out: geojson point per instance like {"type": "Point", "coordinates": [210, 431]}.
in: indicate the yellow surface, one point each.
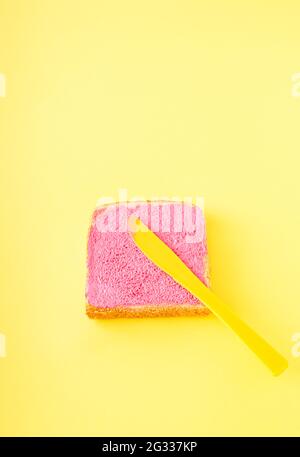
{"type": "Point", "coordinates": [167, 99]}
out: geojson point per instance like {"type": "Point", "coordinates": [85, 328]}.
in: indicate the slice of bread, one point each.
{"type": "Point", "coordinates": [122, 282]}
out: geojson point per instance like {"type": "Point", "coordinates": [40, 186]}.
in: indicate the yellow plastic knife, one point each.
{"type": "Point", "coordinates": [162, 256]}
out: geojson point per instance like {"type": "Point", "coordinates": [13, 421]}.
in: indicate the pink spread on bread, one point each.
{"type": "Point", "coordinates": [122, 282]}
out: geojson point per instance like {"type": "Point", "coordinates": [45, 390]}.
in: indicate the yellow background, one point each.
{"type": "Point", "coordinates": [163, 98]}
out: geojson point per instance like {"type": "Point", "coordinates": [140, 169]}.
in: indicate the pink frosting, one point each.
{"type": "Point", "coordinates": [120, 274]}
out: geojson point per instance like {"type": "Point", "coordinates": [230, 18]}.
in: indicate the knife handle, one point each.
{"type": "Point", "coordinates": [268, 355]}
{"type": "Point", "coordinates": [166, 259]}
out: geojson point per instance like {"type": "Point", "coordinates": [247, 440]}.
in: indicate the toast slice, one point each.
{"type": "Point", "coordinates": [122, 282]}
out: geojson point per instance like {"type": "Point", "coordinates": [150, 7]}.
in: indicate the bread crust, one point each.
{"type": "Point", "coordinates": [124, 311]}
